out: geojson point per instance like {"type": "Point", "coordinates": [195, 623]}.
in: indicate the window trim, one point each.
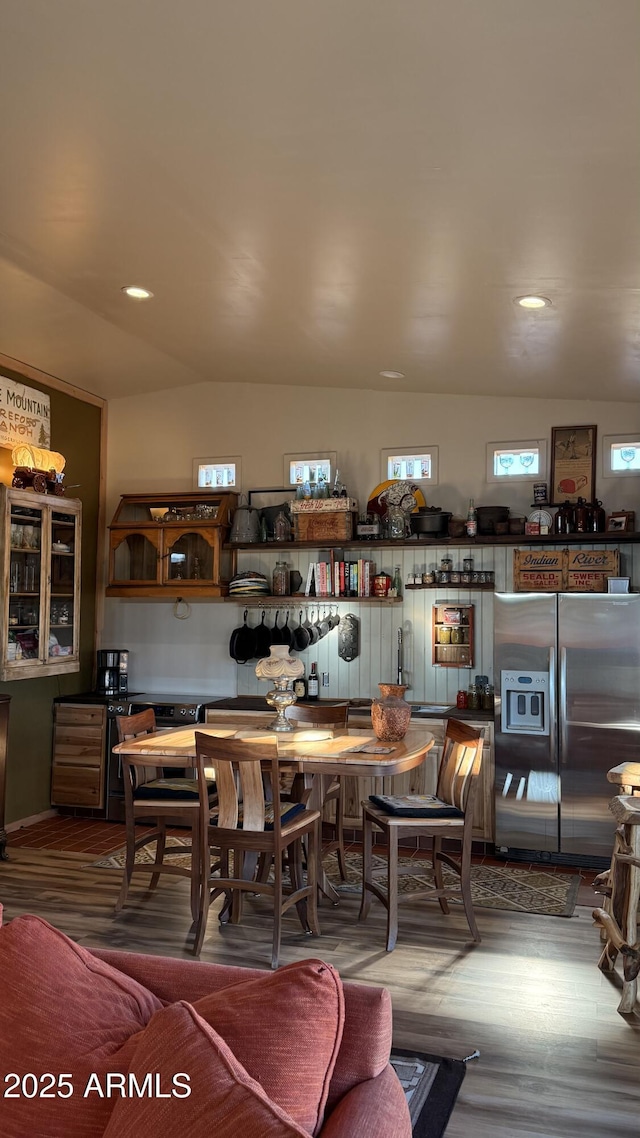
{"type": "Point", "coordinates": [230, 460]}
{"type": "Point", "coordinates": [410, 452]}
{"type": "Point", "coordinates": [308, 456]}
{"type": "Point", "coordinates": [519, 444]}
{"type": "Point", "coordinates": [608, 441]}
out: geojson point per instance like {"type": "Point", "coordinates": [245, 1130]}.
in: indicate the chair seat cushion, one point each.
{"type": "Point", "coordinates": [63, 1009]}
{"type": "Point", "coordinates": [415, 806]}
{"type": "Point", "coordinates": [286, 1029]}
{"type": "Point", "coordinates": [174, 789]}
{"type": "Point", "coordinates": [288, 812]}
{"type": "Point", "coordinates": [184, 1054]}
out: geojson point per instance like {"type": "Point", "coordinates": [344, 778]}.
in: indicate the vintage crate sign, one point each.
{"type": "Point", "coordinates": [564, 570]}
{"type": "Point", "coordinates": [589, 569]}
{"type": "Point", "coordinates": [538, 570]}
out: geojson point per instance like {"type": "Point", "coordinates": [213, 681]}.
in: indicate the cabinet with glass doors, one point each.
{"type": "Point", "coordinates": [40, 611]}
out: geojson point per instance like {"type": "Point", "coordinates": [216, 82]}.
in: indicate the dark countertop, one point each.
{"type": "Point", "coordinates": [259, 703]}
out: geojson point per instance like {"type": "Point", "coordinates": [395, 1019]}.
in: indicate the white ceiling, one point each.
{"type": "Point", "coordinates": [317, 190]}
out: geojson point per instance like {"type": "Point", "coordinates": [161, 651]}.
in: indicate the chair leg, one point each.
{"type": "Point", "coordinates": [367, 865]}
{"type": "Point", "coordinates": [392, 888]}
{"type": "Point", "coordinates": [238, 894]}
{"type": "Point", "coordinates": [160, 847]}
{"type": "Point", "coordinates": [438, 878]}
{"type": "Point", "coordinates": [130, 858]}
{"type": "Point", "coordinates": [203, 889]}
{"type": "Point", "coordinates": [465, 885]}
{"type": "Point", "coordinates": [312, 878]}
{"type": "Point", "coordinates": [198, 871]}
{"type": "Point", "coordinates": [277, 910]}
{"type": "Point", "coordinates": [294, 861]}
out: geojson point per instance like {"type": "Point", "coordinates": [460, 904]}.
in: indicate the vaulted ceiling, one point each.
{"type": "Point", "coordinates": [319, 190]}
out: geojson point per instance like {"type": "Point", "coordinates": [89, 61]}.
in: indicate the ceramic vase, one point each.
{"type": "Point", "coordinates": [390, 714]}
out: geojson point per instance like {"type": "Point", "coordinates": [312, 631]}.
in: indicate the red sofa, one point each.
{"type": "Point", "coordinates": [284, 1054]}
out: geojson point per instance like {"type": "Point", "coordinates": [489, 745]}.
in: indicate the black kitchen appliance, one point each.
{"type": "Point", "coordinates": [112, 677]}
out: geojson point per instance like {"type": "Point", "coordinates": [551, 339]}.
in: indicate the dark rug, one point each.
{"type": "Point", "coordinates": [431, 1085]}
{"type": "Point", "coordinates": [519, 890]}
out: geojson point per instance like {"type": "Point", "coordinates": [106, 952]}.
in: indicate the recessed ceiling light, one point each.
{"type": "Point", "coordinates": [391, 374]}
{"type": "Point", "coordinates": [136, 292]}
{"type": "Point", "coordinates": [533, 301]}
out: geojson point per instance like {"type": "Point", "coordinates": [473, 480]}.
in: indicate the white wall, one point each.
{"type": "Point", "coordinates": [153, 440]}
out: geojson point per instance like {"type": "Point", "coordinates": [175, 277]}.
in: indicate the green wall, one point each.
{"type": "Point", "coordinates": [75, 432]}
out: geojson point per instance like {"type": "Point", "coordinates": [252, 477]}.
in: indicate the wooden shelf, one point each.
{"type": "Point", "coordinates": [450, 542]}
{"type": "Point", "coordinates": [470, 588]}
{"type": "Point", "coordinates": [301, 599]}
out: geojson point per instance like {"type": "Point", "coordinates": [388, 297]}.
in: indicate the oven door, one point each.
{"type": "Point", "coordinates": [115, 781]}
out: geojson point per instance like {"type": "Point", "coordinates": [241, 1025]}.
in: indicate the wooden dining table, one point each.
{"type": "Point", "coordinates": [317, 754]}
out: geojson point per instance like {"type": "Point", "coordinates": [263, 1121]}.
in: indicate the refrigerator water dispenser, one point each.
{"type": "Point", "coordinates": [525, 702]}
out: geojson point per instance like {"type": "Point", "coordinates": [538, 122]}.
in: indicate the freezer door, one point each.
{"type": "Point", "coordinates": [599, 711]}
{"type": "Point", "coordinates": [527, 788]}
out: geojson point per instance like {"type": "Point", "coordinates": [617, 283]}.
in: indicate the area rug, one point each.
{"type": "Point", "coordinates": [431, 1086]}
{"type": "Point", "coordinates": [492, 886]}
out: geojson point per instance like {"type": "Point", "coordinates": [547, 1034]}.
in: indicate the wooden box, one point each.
{"type": "Point", "coordinates": [589, 569]}
{"type": "Point", "coordinates": [539, 570]}
{"type": "Point", "coordinates": [326, 526]}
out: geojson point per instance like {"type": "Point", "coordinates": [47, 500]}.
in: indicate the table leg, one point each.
{"type": "Point", "coordinates": [315, 788]}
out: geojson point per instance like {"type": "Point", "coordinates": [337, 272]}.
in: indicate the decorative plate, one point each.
{"type": "Point", "coordinates": [375, 506]}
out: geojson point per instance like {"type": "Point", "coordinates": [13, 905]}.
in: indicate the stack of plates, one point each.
{"type": "Point", "coordinates": [249, 584]}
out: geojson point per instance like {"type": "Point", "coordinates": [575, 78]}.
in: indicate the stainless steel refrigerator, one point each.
{"type": "Point", "coordinates": [567, 677]}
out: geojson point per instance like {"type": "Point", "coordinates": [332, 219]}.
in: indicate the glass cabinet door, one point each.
{"type": "Point", "coordinates": [62, 633]}
{"type": "Point", "coordinates": [25, 584]}
{"type": "Point", "coordinates": [134, 557]}
{"type": "Point", "coordinates": [189, 557]}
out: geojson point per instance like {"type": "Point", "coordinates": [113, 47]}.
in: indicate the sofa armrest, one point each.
{"type": "Point", "coordinates": [377, 1108]}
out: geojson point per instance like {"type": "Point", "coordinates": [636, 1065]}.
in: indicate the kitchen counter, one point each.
{"type": "Point", "coordinates": [356, 706]}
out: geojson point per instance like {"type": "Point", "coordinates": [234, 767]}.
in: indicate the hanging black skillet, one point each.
{"type": "Point", "coordinates": [286, 633]}
{"type": "Point", "coordinates": [242, 644]}
{"type": "Point", "coordinates": [276, 631]}
{"type": "Point", "coordinates": [263, 638]}
{"type": "Point", "coordinates": [300, 636]}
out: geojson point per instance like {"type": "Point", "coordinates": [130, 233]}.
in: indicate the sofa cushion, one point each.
{"type": "Point", "coordinates": [285, 1028]}
{"type": "Point", "coordinates": [224, 1102]}
{"type": "Point", "coordinates": [63, 1011]}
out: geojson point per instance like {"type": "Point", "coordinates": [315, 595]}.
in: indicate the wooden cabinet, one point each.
{"type": "Point", "coordinates": [78, 773]}
{"type": "Point", "coordinates": [171, 545]}
{"type": "Point", "coordinates": [40, 613]}
{"type": "Point", "coordinates": [452, 633]}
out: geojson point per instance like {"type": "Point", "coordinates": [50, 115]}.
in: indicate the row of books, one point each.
{"type": "Point", "coordinates": [332, 576]}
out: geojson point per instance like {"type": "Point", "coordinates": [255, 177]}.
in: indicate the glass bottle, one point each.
{"type": "Point", "coordinates": [473, 698]}
{"type": "Point", "coordinates": [487, 698]}
{"type": "Point", "coordinates": [471, 523]}
{"type": "Point", "coordinates": [196, 569]}
{"type": "Point", "coordinates": [281, 579]}
{"type": "Point", "coordinates": [300, 688]}
{"type": "Point", "coordinates": [281, 527]}
{"type": "Point", "coordinates": [396, 584]}
{"type": "Point", "coordinates": [313, 685]}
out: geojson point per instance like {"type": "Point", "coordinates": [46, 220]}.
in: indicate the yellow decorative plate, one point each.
{"type": "Point", "coordinates": [375, 507]}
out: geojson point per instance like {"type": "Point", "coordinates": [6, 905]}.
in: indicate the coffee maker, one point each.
{"type": "Point", "coordinates": [113, 671]}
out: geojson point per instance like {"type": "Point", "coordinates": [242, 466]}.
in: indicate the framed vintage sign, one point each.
{"type": "Point", "coordinates": [573, 464]}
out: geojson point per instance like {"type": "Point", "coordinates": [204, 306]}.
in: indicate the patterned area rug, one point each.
{"type": "Point", "coordinates": [492, 886]}
{"type": "Point", "coordinates": [431, 1086]}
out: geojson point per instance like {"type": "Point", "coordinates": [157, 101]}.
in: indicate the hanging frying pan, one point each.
{"type": "Point", "coordinates": [276, 632]}
{"type": "Point", "coordinates": [263, 638]}
{"type": "Point", "coordinates": [300, 636]}
{"type": "Point", "coordinates": [242, 645]}
{"type": "Point", "coordinates": [286, 633]}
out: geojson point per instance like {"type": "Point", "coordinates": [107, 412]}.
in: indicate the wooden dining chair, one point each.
{"type": "Point", "coordinates": [150, 798]}
{"type": "Point", "coordinates": [246, 822]}
{"type": "Point", "coordinates": [333, 717]}
{"type": "Point", "coordinates": [448, 816]}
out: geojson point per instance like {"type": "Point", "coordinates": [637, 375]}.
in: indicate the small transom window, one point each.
{"type": "Point", "coordinates": [410, 464]}
{"type": "Point", "coordinates": [620, 455]}
{"type": "Point", "coordinates": [521, 460]}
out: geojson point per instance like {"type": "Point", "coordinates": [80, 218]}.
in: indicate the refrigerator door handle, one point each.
{"type": "Point", "coordinates": [562, 709]}
{"type": "Point", "coordinates": [552, 710]}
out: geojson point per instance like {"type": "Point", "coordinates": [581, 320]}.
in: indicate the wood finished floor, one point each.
{"type": "Point", "coordinates": [557, 1061]}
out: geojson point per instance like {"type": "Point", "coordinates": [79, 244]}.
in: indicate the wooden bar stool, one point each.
{"type": "Point", "coordinates": [453, 810]}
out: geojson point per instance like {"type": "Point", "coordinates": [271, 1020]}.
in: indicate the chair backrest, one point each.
{"type": "Point", "coordinates": [239, 780]}
{"type": "Point", "coordinates": [131, 727]}
{"type": "Point", "coordinates": [460, 764]}
{"type": "Point", "coordinates": [312, 715]}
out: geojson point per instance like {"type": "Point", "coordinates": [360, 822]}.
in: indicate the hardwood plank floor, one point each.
{"type": "Point", "coordinates": [557, 1061]}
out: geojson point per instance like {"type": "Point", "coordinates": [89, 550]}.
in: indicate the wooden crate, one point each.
{"type": "Point", "coordinates": [334, 526]}
{"type": "Point", "coordinates": [564, 570]}
{"type": "Point", "coordinates": [539, 570]}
